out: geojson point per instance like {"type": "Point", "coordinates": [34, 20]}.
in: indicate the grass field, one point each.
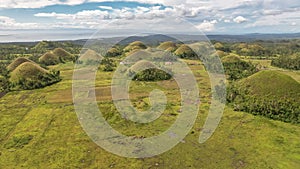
{"type": "Point", "coordinates": [40, 129]}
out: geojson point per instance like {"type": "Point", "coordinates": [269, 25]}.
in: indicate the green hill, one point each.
{"type": "Point", "coordinates": [152, 73]}
{"type": "Point", "coordinates": [273, 84]}
{"type": "Point", "coordinates": [63, 55]}
{"type": "Point", "coordinates": [113, 52]}
{"type": "Point", "coordinates": [142, 64]}
{"type": "Point", "coordinates": [268, 93]}
{"type": "Point", "coordinates": [45, 45]}
{"type": "Point", "coordinates": [232, 58]}
{"type": "Point", "coordinates": [134, 46]}
{"type": "Point", "coordinates": [30, 76]}
{"type": "Point", "coordinates": [184, 51]}
{"type": "Point", "coordinates": [27, 70]}
{"type": "Point", "coordinates": [49, 58]}
{"type": "Point", "coordinates": [17, 62]}
{"type": "Point", "coordinates": [137, 55]}
{"type": "Point", "coordinates": [168, 46]}
{"type": "Point", "coordinates": [90, 56]}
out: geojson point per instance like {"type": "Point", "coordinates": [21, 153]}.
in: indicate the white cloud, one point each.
{"type": "Point", "coordinates": [272, 12]}
{"type": "Point", "coordinates": [85, 15]}
{"type": "Point", "coordinates": [285, 18]}
{"type": "Point", "coordinates": [36, 3]}
{"type": "Point", "coordinates": [255, 13]}
{"type": "Point", "coordinates": [106, 7]}
{"type": "Point", "coordinates": [239, 19]}
{"type": "Point", "coordinates": [207, 26]}
{"type": "Point", "coordinates": [10, 23]}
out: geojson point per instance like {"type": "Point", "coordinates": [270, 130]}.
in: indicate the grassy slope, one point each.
{"type": "Point", "coordinates": [27, 70]}
{"type": "Point", "coordinates": [49, 58]}
{"type": "Point", "coordinates": [267, 65]}
{"type": "Point", "coordinates": [274, 83]}
{"type": "Point", "coordinates": [17, 62]}
{"type": "Point", "coordinates": [241, 140]}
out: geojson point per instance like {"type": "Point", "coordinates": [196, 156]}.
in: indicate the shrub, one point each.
{"type": "Point", "coordinates": [152, 74]}
{"type": "Point", "coordinates": [287, 62]}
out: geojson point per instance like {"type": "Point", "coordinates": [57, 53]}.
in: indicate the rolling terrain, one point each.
{"type": "Point", "coordinates": [40, 129]}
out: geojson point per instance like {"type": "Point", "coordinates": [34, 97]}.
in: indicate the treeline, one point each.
{"type": "Point", "coordinates": [287, 62]}
{"type": "Point", "coordinates": [239, 69]}
{"type": "Point", "coordinates": [260, 49]}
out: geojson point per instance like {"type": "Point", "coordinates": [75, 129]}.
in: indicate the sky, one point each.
{"type": "Point", "coordinates": [21, 19]}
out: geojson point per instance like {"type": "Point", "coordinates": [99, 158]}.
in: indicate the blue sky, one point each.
{"type": "Point", "coordinates": [209, 16]}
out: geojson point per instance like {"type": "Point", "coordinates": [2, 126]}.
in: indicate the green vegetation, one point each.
{"type": "Point", "coordinates": [31, 76]}
{"type": "Point", "coordinates": [114, 51]}
{"type": "Point", "coordinates": [249, 49]}
{"type": "Point", "coordinates": [268, 93]}
{"type": "Point", "coordinates": [152, 73]}
{"type": "Point", "coordinates": [184, 51]}
{"type": "Point", "coordinates": [17, 62]}
{"type": "Point", "coordinates": [4, 84]}
{"type": "Point", "coordinates": [90, 57]}
{"type": "Point", "coordinates": [63, 55]}
{"type": "Point", "coordinates": [56, 56]}
{"type": "Point", "coordinates": [40, 129]}
{"type": "Point", "coordinates": [134, 46]}
{"type": "Point", "coordinates": [18, 141]}
{"type": "Point", "coordinates": [168, 46]}
{"type": "Point", "coordinates": [108, 65]}
{"type": "Point", "coordinates": [44, 46]}
{"type": "Point", "coordinates": [235, 68]}
{"type": "Point", "coordinates": [287, 62]}
{"type": "Point", "coordinates": [49, 58]}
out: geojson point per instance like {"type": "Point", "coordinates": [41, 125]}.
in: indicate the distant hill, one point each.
{"type": "Point", "coordinates": [168, 46]}
{"type": "Point", "coordinates": [156, 39]}
{"type": "Point", "coordinates": [147, 40]}
{"type": "Point", "coordinates": [90, 55]}
{"type": "Point", "coordinates": [49, 58]}
{"type": "Point", "coordinates": [63, 54]}
{"type": "Point", "coordinates": [58, 55]}
{"type": "Point", "coordinates": [136, 45]}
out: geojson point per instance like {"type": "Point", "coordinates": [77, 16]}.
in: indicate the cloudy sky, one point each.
{"type": "Point", "coordinates": [209, 16]}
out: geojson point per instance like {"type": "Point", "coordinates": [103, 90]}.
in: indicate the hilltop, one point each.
{"type": "Point", "coordinates": [273, 84]}
{"type": "Point", "coordinates": [17, 62]}
{"type": "Point", "coordinates": [168, 46]}
{"type": "Point", "coordinates": [267, 93]}
{"type": "Point", "coordinates": [58, 55]}
{"type": "Point", "coordinates": [49, 59]}
{"type": "Point", "coordinates": [29, 75]}
{"type": "Point", "coordinates": [135, 46]}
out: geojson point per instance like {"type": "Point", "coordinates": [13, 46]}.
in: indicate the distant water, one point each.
{"type": "Point", "coordinates": [38, 35]}
{"type": "Point", "coordinates": [67, 34]}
